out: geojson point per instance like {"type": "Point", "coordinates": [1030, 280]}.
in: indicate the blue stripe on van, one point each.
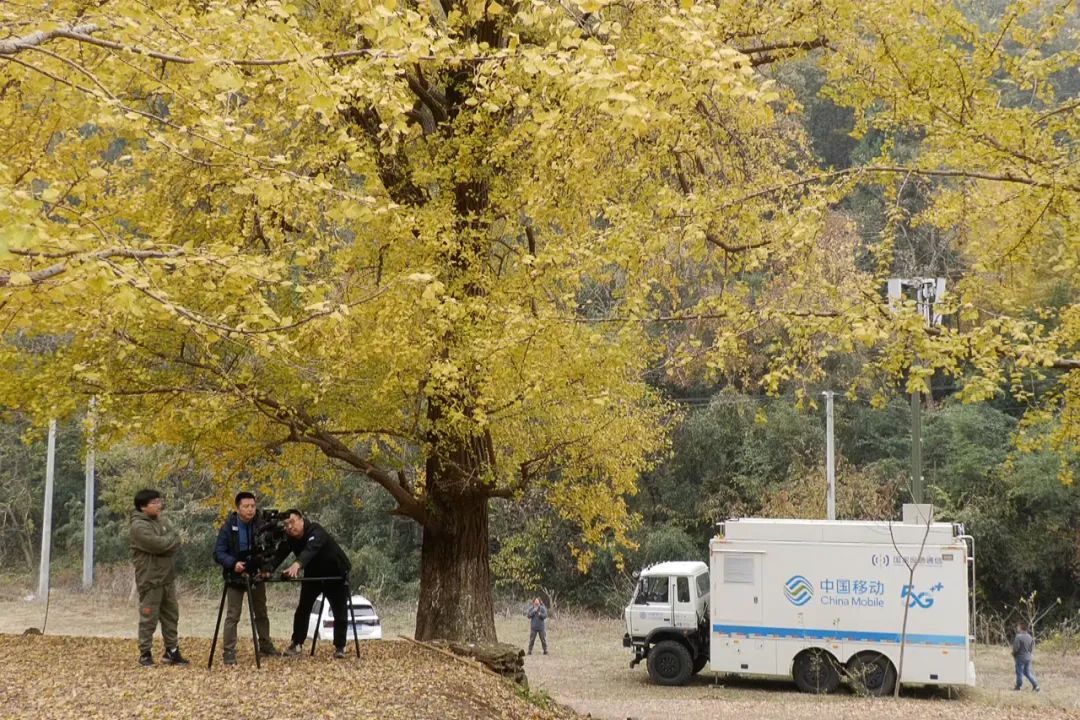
{"type": "Point", "coordinates": [823, 634]}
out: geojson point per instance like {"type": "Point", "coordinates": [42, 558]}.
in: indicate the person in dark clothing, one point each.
{"type": "Point", "coordinates": [232, 552]}
{"type": "Point", "coordinates": [1023, 646]}
{"type": "Point", "coordinates": [318, 555]}
{"type": "Point", "coordinates": [537, 615]}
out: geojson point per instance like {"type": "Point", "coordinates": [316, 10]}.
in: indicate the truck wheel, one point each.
{"type": "Point", "coordinates": [699, 663]}
{"type": "Point", "coordinates": [669, 663]}
{"type": "Point", "coordinates": [815, 672]}
{"type": "Point", "coordinates": [871, 673]}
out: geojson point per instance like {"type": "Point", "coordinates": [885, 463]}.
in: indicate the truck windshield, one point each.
{"type": "Point", "coordinates": [652, 590]}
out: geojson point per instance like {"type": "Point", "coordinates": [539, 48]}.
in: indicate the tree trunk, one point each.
{"type": "Point", "coordinates": [455, 572]}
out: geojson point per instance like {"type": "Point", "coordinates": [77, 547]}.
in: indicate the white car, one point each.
{"type": "Point", "coordinates": [368, 626]}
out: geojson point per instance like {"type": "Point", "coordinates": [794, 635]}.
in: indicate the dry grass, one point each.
{"type": "Point", "coordinates": [588, 668]}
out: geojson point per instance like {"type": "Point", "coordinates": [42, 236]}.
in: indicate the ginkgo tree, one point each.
{"type": "Point", "coordinates": [440, 244]}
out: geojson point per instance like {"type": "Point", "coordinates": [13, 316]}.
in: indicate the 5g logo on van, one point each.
{"type": "Point", "coordinates": [798, 590]}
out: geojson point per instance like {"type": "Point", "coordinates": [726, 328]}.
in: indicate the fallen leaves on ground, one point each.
{"type": "Point", "coordinates": [66, 677]}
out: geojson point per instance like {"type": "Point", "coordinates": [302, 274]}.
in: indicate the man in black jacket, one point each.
{"type": "Point", "coordinates": [232, 552]}
{"type": "Point", "coordinates": [318, 555]}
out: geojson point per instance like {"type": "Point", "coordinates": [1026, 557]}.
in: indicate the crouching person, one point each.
{"type": "Point", "coordinates": [319, 556]}
{"type": "Point", "coordinates": [153, 549]}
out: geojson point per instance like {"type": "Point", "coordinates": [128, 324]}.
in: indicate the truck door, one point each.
{"type": "Point", "coordinates": [740, 588]}
{"type": "Point", "coordinates": [739, 644]}
{"type": "Point", "coordinates": [685, 609]}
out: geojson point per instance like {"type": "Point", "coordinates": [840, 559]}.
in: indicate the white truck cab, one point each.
{"type": "Point", "coordinates": [667, 620]}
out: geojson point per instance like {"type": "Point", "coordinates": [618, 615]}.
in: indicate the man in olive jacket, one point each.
{"type": "Point", "coordinates": [153, 550]}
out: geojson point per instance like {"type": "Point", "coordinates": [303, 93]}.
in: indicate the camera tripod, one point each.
{"type": "Point", "coordinates": [250, 583]}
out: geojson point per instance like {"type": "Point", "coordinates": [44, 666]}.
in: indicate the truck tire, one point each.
{"type": "Point", "coordinates": [815, 672]}
{"type": "Point", "coordinates": [669, 663]}
{"type": "Point", "coordinates": [699, 663]}
{"type": "Point", "coordinates": [871, 673]}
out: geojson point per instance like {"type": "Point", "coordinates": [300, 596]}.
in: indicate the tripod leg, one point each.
{"type": "Point", "coordinates": [217, 625]}
{"type": "Point", "coordinates": [318, 623]}
{"type": "Point", "coordinates": [251, 614]}
{"type": "Point", "coordinates": [352, 619]}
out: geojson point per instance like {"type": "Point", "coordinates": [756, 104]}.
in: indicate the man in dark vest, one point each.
{"type": "Point", "coordinates": [319, 556]}
{"type": "Point", "coordinates": [232, 552]}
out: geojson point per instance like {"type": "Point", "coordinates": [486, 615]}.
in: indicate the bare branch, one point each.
{"type": "Point", "coordinates": [804, 45]}
{"type": "Point", "coordinates": [726, 247]}
{"type": "Point", "coordinates": [40, 37]}
{"type": "Point", "coordinates": [780, 51]}
{"type": "Point", "coordinates": [893, 169]}
{"type": "Point", "coordinates": [1068, 107]}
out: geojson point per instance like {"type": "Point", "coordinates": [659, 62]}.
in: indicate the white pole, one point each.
{"type": "Point", "coordinates": [88, 503]}
{"type": "Point", "coordinates": [46, 516]}
{"type": "Point", "coordinates": [830, 455]}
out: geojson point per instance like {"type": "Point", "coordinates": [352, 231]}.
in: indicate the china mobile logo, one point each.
{"type": "Point", "coordinates": [798, 590]}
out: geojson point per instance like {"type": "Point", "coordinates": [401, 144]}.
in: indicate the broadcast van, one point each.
{"type": "Point", "coordinates": [819, 602]}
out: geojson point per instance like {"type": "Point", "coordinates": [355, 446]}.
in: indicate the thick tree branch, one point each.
{"type": "Point", "coordinates": [308, 431]}
{"type": "Point", "coordinates": [727, 247]}
{"type": "Point", "coordinates": [83, 34]}
{"type": "Point", "coordinates": [767, 54]}
{"type": "Point", "coordinates": [804, 45]}
{"type": "Point", "coordinates": [40, 37]}
{"type": "Point", "coordinates": [783, 52]}
{"type": "Point", "coordinates": [394, 171]}
{"type": "Point", "coordinates": [427, 95]}
{"type": "Point", "coordinates": [39, 276]}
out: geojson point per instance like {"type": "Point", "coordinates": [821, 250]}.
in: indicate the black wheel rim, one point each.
{"type": "Point", "coordinates": [667, 665]}
{"type": "Point", "coordinates": [874, 674]}
{"type": "Point", "coordinates": [815, 671]}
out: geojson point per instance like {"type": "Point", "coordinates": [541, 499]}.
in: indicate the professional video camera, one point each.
{"type": "Point", "coordinates": [269, 534]}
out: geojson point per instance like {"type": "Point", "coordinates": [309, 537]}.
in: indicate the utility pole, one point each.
{"type": "Point", "coordinates": [46, 517]}
{"type": "Point", "coordinates": [927, 292]}
{"type": "Point", "coordinates": [917, 489]}
{"type": "Point", "coordinates": [830, 455]}
{"type": "Point", "coordinates": [88, 502]}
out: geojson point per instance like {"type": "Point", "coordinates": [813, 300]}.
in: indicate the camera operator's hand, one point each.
{"type": "Point", "coordinates": [292, 571]}
{"type": "Point", "coordinates": [239, 568]}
